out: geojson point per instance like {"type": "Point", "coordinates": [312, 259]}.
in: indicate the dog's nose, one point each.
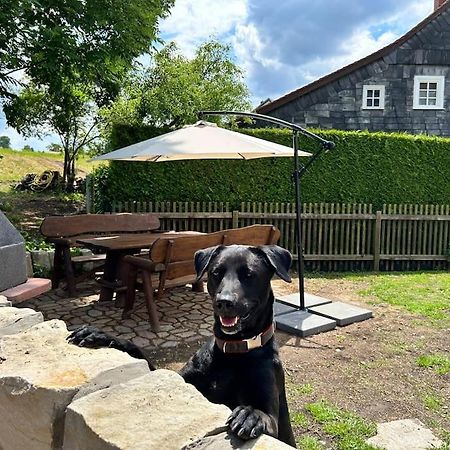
{"type": "Point", "coordinates": [225, 301]}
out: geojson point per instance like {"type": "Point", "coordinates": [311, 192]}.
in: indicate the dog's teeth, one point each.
{"type": "Point", "coordinates": [229, 321]}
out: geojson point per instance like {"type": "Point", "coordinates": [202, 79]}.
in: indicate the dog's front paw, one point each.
{"type": "Point", "coordinates": [88, 336]}
{"type": "Point", "coordinates": [246, 422]}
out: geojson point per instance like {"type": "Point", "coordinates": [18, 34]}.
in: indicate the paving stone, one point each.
{"type": "Point", "coordinates": [404, 434]}
{"type": "Point", "coordinates": [122, 329]}
{"type": "Point", "coordinates": [94, 313]}
{"type": "Point", "coordinates": [146, 334]}
{"type": "Point", "coordinates": [169, 344]}
{"type": "Point", "coordinates": [141, 342]}
{"type": "Point", "coordinates": [127, 336]}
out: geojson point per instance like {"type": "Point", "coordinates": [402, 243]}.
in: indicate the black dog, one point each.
{"type": "Point", "coordinates": [240, 366]}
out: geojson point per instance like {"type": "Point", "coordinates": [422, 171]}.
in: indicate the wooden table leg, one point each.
{"type": "Point", "coordinates": [109, 277]}
{"type": "Point", "coordinates": [68, 271]}
{"type": "Point", "coordinates": [58, 264]}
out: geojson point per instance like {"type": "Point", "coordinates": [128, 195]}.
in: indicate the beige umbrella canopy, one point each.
{"type": "Point", "coordinates": [203, 140]}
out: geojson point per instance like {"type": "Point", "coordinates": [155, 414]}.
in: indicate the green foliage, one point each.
{"type": "Point", "coordinates": [35, 242]}
{"type": "Point", "coordinates": [349, 429]}
{"type": "Point", "coordinates": [299, 419]}
{"type": "Point", "coordinates": [5, 142]}
{"type": "Point", "coordinates": [174, 88]}
{"type": "Point", "coordinates": [75, 56]}
{"type": "Point", "coordinates": [82, 42]}
{"type": "Point", "coordinates": [41, 271]}
{"type": "Point", "coordinates": [364, 167]}
{"type": "Point", "coordinates": [440, 363]}
{"type": "Point", "coordinates": [309, 443]}
{"type": "Point", "coordinates": [432, 401]}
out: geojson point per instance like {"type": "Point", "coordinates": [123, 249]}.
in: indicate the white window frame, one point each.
{"type": "Point", "coordinates": [373, 87]}
{"type": "Point", "coordinates": [440, 82]}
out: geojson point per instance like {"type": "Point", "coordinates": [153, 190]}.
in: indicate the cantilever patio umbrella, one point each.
{"type": "Point", "coordinates": [205, 140]}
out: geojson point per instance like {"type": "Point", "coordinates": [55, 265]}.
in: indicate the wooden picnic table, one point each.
{"type": "Point", "coordinates": [116, 248]}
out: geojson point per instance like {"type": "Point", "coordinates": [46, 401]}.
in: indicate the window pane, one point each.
{"type": "Point", "coordinates": [370, 93]}
{"type": "Point", "coordinates": [376, 102]}
{"type": "Point", "coordinates": [432, 101]}
{"type": "Point", "coordinates": [422, 101]}
{"type": "Point", "coordinates": [423, 85]}
{"type": "Point", "coordinates": [376, 93]}
{"type": "Point", "coordinates": [432, 94]}
{"type": "Point", "coordinates": [423, 94]}
{"type": "Point", "coordinates": [432, 86]}
{"type": "Point", "coordinates": [369, 102]}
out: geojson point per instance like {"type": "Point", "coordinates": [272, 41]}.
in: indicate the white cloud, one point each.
{"type": "Point", "coordinates": [300, 41]}
{"type": "Point", "coordinates": [282, 46]}
{"type": "Point", "coordinates": [193, 22]}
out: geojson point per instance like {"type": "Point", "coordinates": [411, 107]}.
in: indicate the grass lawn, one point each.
{"type": "Point", "coordinates": [16, 163]}
{"type": "Point", "coordinates": [426, 294]}
{"type": "Point", "coordinates": [395, 366]}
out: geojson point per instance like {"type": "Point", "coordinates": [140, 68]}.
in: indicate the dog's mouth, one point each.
{"type": "Point", "coordinates": [229, 323]}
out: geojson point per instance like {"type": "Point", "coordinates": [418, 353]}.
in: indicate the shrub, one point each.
{"type": "Point", "coordinates": [364, 167]}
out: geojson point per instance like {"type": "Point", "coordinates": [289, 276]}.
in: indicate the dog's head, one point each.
{"type": "Point", "coordinates": [239, 284]}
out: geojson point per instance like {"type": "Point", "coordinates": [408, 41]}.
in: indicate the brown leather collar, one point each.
{"type": "Point", "coordinates": [245, 345]}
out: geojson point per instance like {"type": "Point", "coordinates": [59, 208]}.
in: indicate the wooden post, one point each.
{"type": "Point", "coordinates": [376, 243]}
{"type": "Point", "coordinates": [89, 194]}
{"type": "Point", "coordinates": [235, 220]}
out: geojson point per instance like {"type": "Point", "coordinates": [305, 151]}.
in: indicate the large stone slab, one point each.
{"type": "Point", "coordinates": [4, 301]}
{"type": "Point", "coordinates": [228, 441]}
{"type": "Point", "coordinates": [303, 323]}
{"type": "Point", "coordinates": [16, 320]}
{"type": "Point", "coordinates": [156, 411]}
{"type": "Point", "coordinates": [40, 373]}
{"type": "Point", "coordinates": [343, 313]}
{"type": "Point", "coordinates": [404, 434]}
{"type": "Point", "coordinates": [13, 269]}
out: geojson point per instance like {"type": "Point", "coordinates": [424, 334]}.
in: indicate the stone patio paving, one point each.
{"type": "Point", "coordinates": [185, 316]}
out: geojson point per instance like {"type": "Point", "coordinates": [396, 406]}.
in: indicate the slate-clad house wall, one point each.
{"type": "Point", "coordinates": [402, 87]}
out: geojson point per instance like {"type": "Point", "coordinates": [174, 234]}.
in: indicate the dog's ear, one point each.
{"type": "Point", "coordinates": [202, 258]}
{"type": "Point", "coordinates": [280, 259]}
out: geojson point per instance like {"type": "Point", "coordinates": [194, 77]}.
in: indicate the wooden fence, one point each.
{"type": "Point", "coordinates": [335, 236]}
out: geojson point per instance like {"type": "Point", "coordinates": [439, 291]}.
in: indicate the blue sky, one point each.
{"type": "Point", "coordinates": [286, 44]}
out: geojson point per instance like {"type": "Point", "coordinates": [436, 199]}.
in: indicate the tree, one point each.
{"type": "Point", "coordinates": [5, 142]}
{"type": "Point", "coordinates": [174, 88]}
{"type": "Point", "coordinates": [55, 148]}
{"type": "Point", "coordinates": [28, 148]}
{"type": "Point", "coordinates": [74, 55]}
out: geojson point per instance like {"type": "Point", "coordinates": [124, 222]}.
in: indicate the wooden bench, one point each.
{"type": "Point", "coordinates": [63, 232]}
{"type": "Point", "coordinates": [171, 263]}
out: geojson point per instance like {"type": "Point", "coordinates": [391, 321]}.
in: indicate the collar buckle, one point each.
{"type": "Point", "coordinates": [254, 342]}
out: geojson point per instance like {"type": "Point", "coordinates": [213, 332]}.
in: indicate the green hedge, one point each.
{"type": "Point", "coordinates": [364, 167]}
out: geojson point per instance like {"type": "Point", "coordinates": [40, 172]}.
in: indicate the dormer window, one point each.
{"type": "Point", "coordinates": [373, 96]}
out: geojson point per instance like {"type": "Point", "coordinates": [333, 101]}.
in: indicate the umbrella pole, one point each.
{"type": "Point", "coordinates": [298, 212]}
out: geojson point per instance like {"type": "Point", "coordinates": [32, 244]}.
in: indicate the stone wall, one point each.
{"type": "Point", "coordinates": [54, 395]}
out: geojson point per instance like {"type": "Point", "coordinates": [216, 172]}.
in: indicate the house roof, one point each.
{"type": "Point", "coordinates": [266, 106]}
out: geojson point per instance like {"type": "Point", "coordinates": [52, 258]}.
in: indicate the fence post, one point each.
{"type": "Point", "coordinates": [89, 194]}
{"type": "Point", "coordinates": [377, 243]}
{"type": "Point", "coordinates": [235, 219]}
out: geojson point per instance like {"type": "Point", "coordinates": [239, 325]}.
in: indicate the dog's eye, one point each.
{"type": "Point", "coordinates": [249, 274]}
{"type": "Point", "coordinates": [216, 272]}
